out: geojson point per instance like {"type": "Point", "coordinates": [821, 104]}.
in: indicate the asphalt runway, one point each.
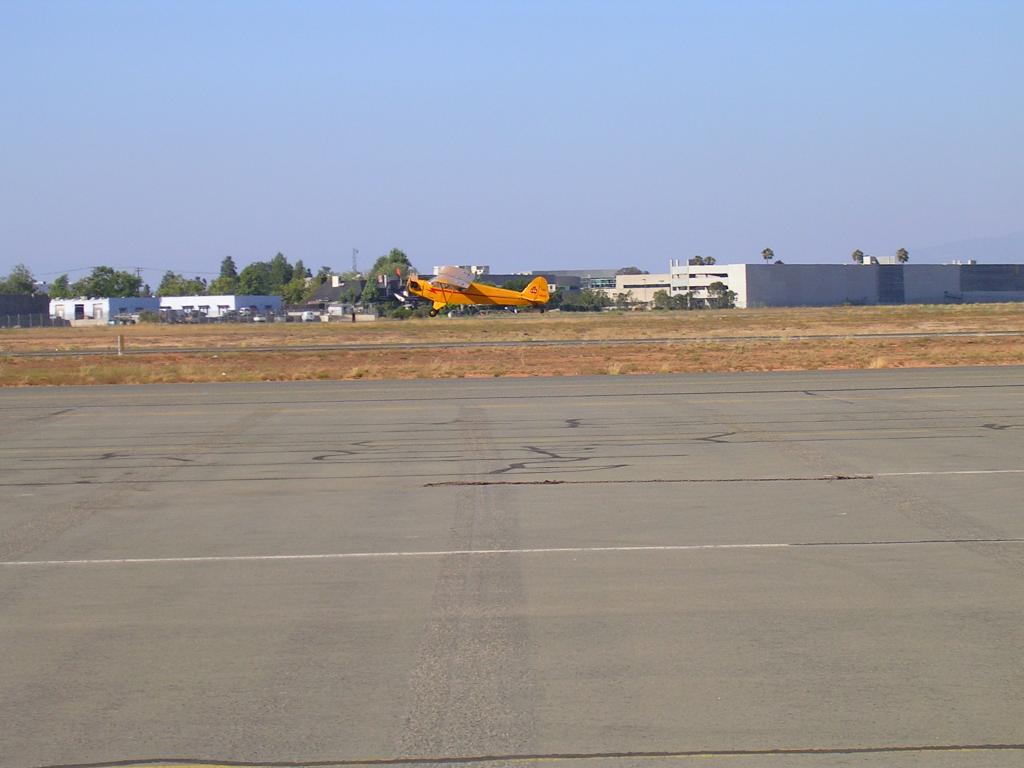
{"type": "Point", "coordinates": [788, 569]}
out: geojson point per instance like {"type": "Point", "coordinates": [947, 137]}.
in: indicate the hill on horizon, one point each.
{"type": "Point", "coordinates": [1005, 249]}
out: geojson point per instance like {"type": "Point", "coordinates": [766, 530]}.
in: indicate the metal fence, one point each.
{"type": "Point", "coordinates": [32, 320]}
{"type": "Point", "coordinates": [193, 317]}
{"type": "Point", "coordinates": [290, 315]}
{"type": "Point", "coordinates": [43, 320]}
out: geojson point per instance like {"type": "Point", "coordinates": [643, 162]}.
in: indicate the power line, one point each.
{"type": "Point", "coordinates": [135, 269]}
{"type": "Point", "coordinates": [63, 271]}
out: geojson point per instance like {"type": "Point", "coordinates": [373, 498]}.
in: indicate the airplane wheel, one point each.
{"type": "Point", "coordinates": [433, 313]}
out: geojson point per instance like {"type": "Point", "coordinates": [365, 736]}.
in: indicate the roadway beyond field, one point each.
{"type": "Point", "coordinates": [811, 569]}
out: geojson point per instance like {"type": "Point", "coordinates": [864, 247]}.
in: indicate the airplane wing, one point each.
{"type": "Point", "coordinates": [453, 276]}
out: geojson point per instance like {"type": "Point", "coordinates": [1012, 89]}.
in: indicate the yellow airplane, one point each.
{"type": "Point", "coordinates": [453, 285]}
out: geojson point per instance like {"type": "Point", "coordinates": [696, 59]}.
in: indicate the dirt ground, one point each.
{"type": "Point", "coordinates": [532, 327]}
{"type": "Point", "coordinates": [515, 361]}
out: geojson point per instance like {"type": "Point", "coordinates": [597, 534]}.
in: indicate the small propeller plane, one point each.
{"type": "Point", "coordinates": [454, 285]}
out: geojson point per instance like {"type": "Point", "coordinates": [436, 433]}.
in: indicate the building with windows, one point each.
{"type": "Point", "coordinates": [556, 282]}
{"type": "Point", "coordinates": [589, 279]}
{"type": "Point", "coordinates": [826, 285]}
{"type": "Point", "coordinates": [695, 280]}
{"type": "Point", "coordinates": [640, 288]}
{"type": "Point", "coordinates": [218, 306]}
{"type": "Point", "coordinates": [101, 310]}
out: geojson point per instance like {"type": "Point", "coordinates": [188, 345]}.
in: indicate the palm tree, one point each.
{"type": "Point", "coordinates": [858, 256]}
{"type": "Point", "coordinates": [902, 256]}
{"type": "Point", "coordinates": [767, 254]}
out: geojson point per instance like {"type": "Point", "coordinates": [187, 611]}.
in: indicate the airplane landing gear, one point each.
{"type": "Point", "coordinates": [433, 313]}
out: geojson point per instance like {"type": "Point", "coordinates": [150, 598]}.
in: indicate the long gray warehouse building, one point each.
{"type": "Point", "coordinates": [824, 285]}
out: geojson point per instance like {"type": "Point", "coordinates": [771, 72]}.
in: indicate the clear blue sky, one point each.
{"type": "Point", "coordinates": [516, 134]}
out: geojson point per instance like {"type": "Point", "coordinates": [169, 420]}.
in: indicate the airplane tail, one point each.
{"type": "Point", "coordinates": [537, 291]}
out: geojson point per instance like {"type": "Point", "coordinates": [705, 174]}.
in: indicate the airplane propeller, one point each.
{"type": "Point", "coordinates": [403, 295]}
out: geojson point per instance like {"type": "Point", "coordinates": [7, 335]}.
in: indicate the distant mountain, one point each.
{"type": "Point", "coordinates": [1008, 249]}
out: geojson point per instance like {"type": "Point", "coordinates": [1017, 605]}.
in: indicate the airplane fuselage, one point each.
{"type": "Point", "coordinates": [442, 295]}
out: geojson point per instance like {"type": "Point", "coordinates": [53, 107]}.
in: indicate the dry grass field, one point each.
{"type": "Point", "coordinates": [779, 353]}
{"type": "Point", "coordinates": [532, 327]}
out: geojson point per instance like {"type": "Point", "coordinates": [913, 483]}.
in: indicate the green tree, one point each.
{"type": "Point", "coordinates": [902, 255]}
{"type": "Point", "coordinates": [587, 300]}
{"type": "Point", "coordinates": [223, 286]}
{"type": "Point", "coordinates": [280, 273]}
{"type": "Point", "coordinates": [624, 300]}
{"type": "Point", "coordinates": [294, 292]}
{"type": "Point", "coordinates": [297, 290]}
{"type": "Point", "coordinates": [107, 282]}
{"type": "Point", "coordinates": [386, 265]}
{"type": "Point", "coordinates": [720, 297]}
{"type": "Point", "coordinates": [60, 288]}
{"type": "Point", "coordinates": [683, 300]}
{"type": "Point", "coordinates": [299, 287]}
{"type": "Point", "coordinates": [858, 256]}
{"type": "Point", "coordinates": [261, 278]}
{"type": "Point", "coordinates": [174, 284]}
{"type": "Point", "coordinates": [194, 287]}
{"type": "Point", "coordinates": [228, 268]}
{"type": "Point", "coordinates": [662, 300]}
{"type": "Point", "coordinates": [631, 271]}
{"type": "Point", "coordinates": [767, 254]}
{"type": "Point", "coordinates": [255, 279]}
{"type": "Point", "coordinates": [168, 284]}
{"type": "Point", "coordinates": [20, 280]}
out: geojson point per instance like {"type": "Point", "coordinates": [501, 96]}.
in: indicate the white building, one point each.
{"type": "Point", "coordinates": [476, 270]}
{"type": "Point", "coordinates": [217, 306]}
{"type": "Point", "coordinates": [827, 285]}
{"type": "Point", "coordinates": [695, 279]}
{"type": "Point", "coordinates": [640, 288]}
{"type": "Point", "coordinates": [100, 311]}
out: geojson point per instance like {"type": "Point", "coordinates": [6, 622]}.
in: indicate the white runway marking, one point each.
{"type": "Point", "coordinates": [953, 472]}
{"type": "Point", "coordinates": [485, 552]}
